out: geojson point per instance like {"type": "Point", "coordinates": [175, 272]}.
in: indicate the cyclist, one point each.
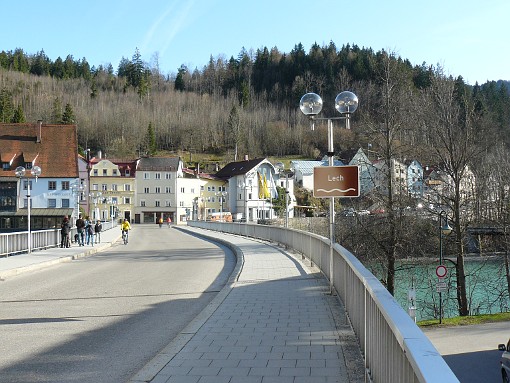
{"type": "Point", "coordinates": [125, 227]}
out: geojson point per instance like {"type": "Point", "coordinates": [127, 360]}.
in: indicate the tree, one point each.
{"type": "Point", "coordinates": [150, 140]}
{"type": "Point", "coordinates": [6, 105]}
{"type": "Point", "coordinates": [68, 116]}
{"type": "Point", "coordinates": [19, 116]}
{"type": "Point", "coordinates": [56, 111]}
{"type": "Point", "coordinates": [456, 139]}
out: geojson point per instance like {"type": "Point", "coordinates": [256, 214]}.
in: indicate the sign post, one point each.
{"type": "Point", "coordinates": [336, 181]}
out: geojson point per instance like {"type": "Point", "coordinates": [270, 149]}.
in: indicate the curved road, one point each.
{"type": "Point", "coordinates": [102, 318]}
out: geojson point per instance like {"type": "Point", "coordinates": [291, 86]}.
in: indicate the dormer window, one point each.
{"type": "Point", "coordinates": [6, 166]}
{"type": "Point", "coordinates": [28, 165]}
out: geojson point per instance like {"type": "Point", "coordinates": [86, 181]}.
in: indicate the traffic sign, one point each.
{"type": "Point", "coordinates": [336, 181]}
{"type": "Point", "coordinates": [441, 271]}
{"type": "Point", "coordinates": [440, 286]}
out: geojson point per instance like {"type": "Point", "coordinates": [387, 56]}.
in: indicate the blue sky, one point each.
{"type": "Point", "coordinates": [468, 38]}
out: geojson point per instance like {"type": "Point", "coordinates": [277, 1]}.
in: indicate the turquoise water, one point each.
{"type": "Point", "coordinates": [486, 287]}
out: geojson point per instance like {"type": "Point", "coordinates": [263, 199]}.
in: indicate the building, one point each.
{"type": "Point", "coordinates": [303, 171]}
{"type": "Point", "coordinates": [251, 187]}
{"type": "Point", "coordinates": [157, 188]}
{"type": "Point", "coordinates": [53, 149]}
{"type": "Point", "coordinates": [112, 189]}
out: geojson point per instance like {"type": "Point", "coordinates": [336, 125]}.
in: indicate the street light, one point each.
{"type": "Point", "coordinates": [222, 195]}
{"type": "Point", "coordinates": [95, 196]}
{"type": "Point", "coordinates": [77, 188]}
{"type": "Point", "coordinates": [281, 169]}
{"type": "Point", "coordinates": [20, 173]}
{"type": "Point", "coordinates": [311, 105]}
{"type": "Point", "coordinates": [443, 231]}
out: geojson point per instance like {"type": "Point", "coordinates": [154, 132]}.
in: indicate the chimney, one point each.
{"type": "Point", "coordinates": [99, 154]}
{"type": "Point", "coordinates": [246, 157]}
{"type": "Point", "coordinates": [39, 130]}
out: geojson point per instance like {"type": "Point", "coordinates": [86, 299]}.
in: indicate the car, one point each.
{"type": "Point", "coordinates": [363, 212]}
{"type": "Point", "coordinates": [505, 362]}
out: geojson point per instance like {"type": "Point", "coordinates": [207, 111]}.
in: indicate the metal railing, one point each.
{"type": "Point", "coordinates": [17, 242]}
{"type": "Point", "coordinates": [394, 348]}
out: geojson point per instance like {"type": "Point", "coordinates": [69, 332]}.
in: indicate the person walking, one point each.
{"type": "Point", "coordinates": [65, 230]}
{"type": "Point", "coordinates": [80, 227]}
{"type": "Point", "coordinates": [97, 229]}
{"type": "Point", "coordinates": [168, 221]}
{"type": "Point", "coordinates": [89, 232]}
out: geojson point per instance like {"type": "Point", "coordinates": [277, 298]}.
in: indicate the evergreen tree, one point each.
{"type": "Point", "coordinates": [150, 140]}
{"type": "Point", "coordinates": [179, 80]}
{"type": "Point", "coordinates": [56, 111]}
{"type": "Point", "coordinates": [68, 116]}
{"type": "Point", "coordinates": [6, 106]}
{"type": "Point", "coordinates": [19, 116]}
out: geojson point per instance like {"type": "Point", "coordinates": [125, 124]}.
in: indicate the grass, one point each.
{"type": "Point", "coordinates": [467, 320]}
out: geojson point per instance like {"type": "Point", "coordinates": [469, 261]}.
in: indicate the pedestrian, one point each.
{"type": "Point", "coordinates": [80, 228]}
{"type": "Point", "coordinates": [65, 230]}
{"type": "Point", "coordinates": [168, 221]}
{"type": "Point", "coordinates": [89, 231]}
{"type": "Point", "coordinates": [97, 229]}
{"type": "Point", "coordinates": [160, 221]}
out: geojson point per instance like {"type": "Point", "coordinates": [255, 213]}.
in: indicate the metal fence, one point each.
{"type": "Point", "coordinates": [16, 243]}
{"type": "Point", "coordinates": [395, 350]}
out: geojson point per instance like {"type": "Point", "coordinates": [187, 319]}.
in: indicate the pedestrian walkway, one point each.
{"type": "Point", "coordinates": [275, 321]}
{"type": "Point", "coordinates": [21, 263]}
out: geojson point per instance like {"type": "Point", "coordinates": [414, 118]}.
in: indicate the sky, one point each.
{"type": "Point", "coordinates": [467, 38]}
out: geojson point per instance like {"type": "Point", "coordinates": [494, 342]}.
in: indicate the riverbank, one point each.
{"type": "Point", "coordinates": [466, 320]}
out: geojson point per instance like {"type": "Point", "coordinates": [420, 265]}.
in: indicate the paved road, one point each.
{"type": "Point", "coordinates": [472, 351]}
{"type": "Point", "coordinates": [102, 318]}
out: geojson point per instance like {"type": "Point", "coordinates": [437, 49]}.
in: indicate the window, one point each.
{"type": "Point", "coordinates": [95, 172]}
{"type": "Point", "coordinates": [104, 187]}
{"type": "Point", "coordinates": [114, 187]}
{"type": "Point", "coordinates": [115, 172]}
{"type": "Point", "coordinates": [5, 166]}
{"type": "Point", "coordinates": [182, 190]}
{"type": "Point", "coordinates": [168, 176]}
{"type": "Point", "coordinates": [208, 188]}
{"type": "Point", "coordinates": [213, 188]}
{"type": "Point", "coordinates": [181, 204]}
{"type": "Point", "coordinates": [28, 165]}
{"type": "Point", "coordinates": [65, 185]}
{"type": "Point", "coordinates": [168, 190]}
{"type": "Point", "coordinates": [192, 190]}
{"type": "Point", "coordinates": [25, 185]}
{"type": "Point", "coordinates": [127, 187]}
{"type": "Point", "coordinates": [114, 201]}
{"type": "Point", "coordinates": [146, 176]}
{"type": "Point", "coordinates": [95, 187]}
{"type": "Point", "coordinates": [128, 172]}
{"type": "Point", "coordinates": [201, 187]}
{"type": "Point", "coordinates": [105, 172]}
{"type": "Point", "coordinates": [52, 185]}
{"type": "Point", "coordinates": [158, 204]}
{"type": "Point", "coordinates": [158, 189]}
{"type": "Point", "coordinates": [158, 176]}
{"type": "Point", "coordinates": [65, 202]}
{"type": "Point", "coordinates": [127, 200]}
{"type": "Point", "coordinates": [142, 203]}
{"type": "Point", "coordinates": [146, 190]}
{"type": "Point", "coordinates": [52, 203]}
{"type": "Point", "coordinates": [168, 203]}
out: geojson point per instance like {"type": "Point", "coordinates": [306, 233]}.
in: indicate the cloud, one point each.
{"type": "Point", "coordinates": [169, 24]}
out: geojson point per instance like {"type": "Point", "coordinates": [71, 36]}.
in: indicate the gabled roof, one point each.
{"type": "Point", "coordinates": [306, 167]}
{"type": "Point", "coordinates": [238, 168]}
{"type": "Point", "coordinates": [159, 163]}
{"type": "Point", "coordinates": [53, 148]}
{"type": "Point", "coordinates": [123, 164]}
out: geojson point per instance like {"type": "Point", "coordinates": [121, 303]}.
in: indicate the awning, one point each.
{"type": "Point", "coordinates": [41, 212]}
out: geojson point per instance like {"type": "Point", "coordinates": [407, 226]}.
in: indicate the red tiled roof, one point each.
{"type": "Point", "coordinates": [51, 147]}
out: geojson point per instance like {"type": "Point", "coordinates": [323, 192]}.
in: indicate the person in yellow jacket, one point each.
{"type": "Point", "coordinates": [124, 228]}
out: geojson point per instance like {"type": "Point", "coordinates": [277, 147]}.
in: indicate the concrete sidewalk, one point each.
{"type": "Point", "coordinates": [21, 263]}
{"type": "Point", "coordinates": [273, 322]}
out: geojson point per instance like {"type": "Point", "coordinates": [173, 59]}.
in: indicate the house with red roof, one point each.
{"type": "Point", "coordinates": [53, 150]}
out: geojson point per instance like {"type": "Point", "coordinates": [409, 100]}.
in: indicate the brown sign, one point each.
{"type": "Point", "coordinates": [336, 181]}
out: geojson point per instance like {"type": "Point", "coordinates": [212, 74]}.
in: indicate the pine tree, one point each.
{"type": "Point", "coordinates": [19, 116]}
{"type": "Point", "coordinates": [6, 106]}
{"type": "Point", "coordinates": [68, 116]}
{"type": "Point", "coordinates": [56, 111]}
{"type": "Point", "coordinates": [150, 140]}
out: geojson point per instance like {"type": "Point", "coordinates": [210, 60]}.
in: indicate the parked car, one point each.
{"type": "Point", "coordinates": [505, 362]}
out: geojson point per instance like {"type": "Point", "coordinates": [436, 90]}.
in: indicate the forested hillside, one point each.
{"type": "Point", "coordinates": [244, 105]}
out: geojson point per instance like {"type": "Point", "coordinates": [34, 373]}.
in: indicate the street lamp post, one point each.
{"type": "Point", "coordinates": [311, 105]}
{"type": "Point", "coordinates": [281, 169]}
{"type": "Point", "coordinates": [20, 173]}
{"type": "Point", "coordinates": [221, 195]}
{"type": "Point", "coordinates": [77, 187]}
{"type": "Point", "coordinates": [443, 230]}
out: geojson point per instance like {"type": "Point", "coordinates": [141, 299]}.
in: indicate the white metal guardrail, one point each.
{"type": "Point", "coordinates": [17, 242]}
{"type": "Point", "coordinates": [394, 348]}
